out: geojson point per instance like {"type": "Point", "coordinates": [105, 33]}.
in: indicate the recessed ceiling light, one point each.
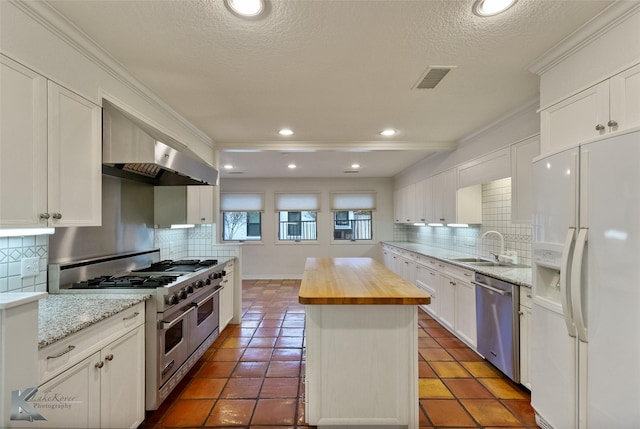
{"type": "Point", "coordinates": [491, 7]}
{"type": "Point", "coordinates": [355, 165]}
{"type": "Point", "coordinates": [291, 166]}
{"type": "Point", "coordinates": [246, 8]}
{"type": "Point", "coordinates": [285, 132]}
{"type": "Point", "coordinates": [227, 166]}
{"type": "Point", "coordinates": [388, 132]}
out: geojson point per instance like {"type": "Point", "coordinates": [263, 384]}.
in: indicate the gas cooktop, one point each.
{"type": "Point", "coordinates": [183, 265]}
{"type": "Point", "coordinates": [129, 281]}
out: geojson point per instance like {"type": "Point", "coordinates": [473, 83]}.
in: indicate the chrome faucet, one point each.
{"type": "Point", "coordinates": [496, 256]}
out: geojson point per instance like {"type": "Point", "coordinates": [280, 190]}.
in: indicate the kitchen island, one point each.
{"type": "Point", "coordinates": [361, 344]}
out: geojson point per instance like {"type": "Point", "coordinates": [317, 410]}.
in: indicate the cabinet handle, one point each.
{"type": "Point", "coordinates": [44, 216]}
{"type": "Point", "coordinates": [56, 215]}
{"type": "Point", "coordinates": [467, 274]}
{"type": "Point", "coordinates": [599, 127]}
{"type": "Point", "coordinates": [452, 283]}
{"type": "Point", "coordinates": [612, 123]}
{"type": "Point", "coordinates": [528, 295]}
{"type": "Point", "coordinates": [203, 219]}
{"type": "Point", "coordinates": [62, 353]}
{"type": "Point", "coordinates": [108, 357]}
{"type": "Point", "coordinates": [521, 313]}
{"type": "Point", "coordinates": [99, 365]}
{"type": "Point", "coordinates": [133, 316]}
{"type": "Point", "coordinates": [441, 219]}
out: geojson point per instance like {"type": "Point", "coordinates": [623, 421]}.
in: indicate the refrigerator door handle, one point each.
{"type": "Point", "coordinates": [576, 283]}
{"type": "Point", "coordinates": [565, 286]}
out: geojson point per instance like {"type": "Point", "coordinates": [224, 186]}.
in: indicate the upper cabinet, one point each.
{"type": "Point", "coordinates": [179, 205]}
{"type": "Point", "coordinates": [50, 153]}
{"type": "Point", "coordinates": [444, 197]}
{"type": "Point", "coordinates": [611, 105]}
{"type": "Point", "coordinates": [424, 198]}
{"type": "Point", "coordinates": [522, 154]}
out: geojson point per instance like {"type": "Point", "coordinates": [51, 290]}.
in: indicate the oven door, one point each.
{"type": "Point", "coordinates": [204, 320]}
{"type": "Point", "coordinates": [173, 343]}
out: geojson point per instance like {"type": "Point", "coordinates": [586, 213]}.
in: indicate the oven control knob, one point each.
{"type": "Point", "coordinates": [218, 275]}
{"type": "Point", "coordinates": [172, 299]}
{"type": "Point", "coordinates": [212, 276]}
{"type": "Point", "coordinates": [182, 294]}
{"type": "Point", "coordinates": [224, 273]}
{"type": "Point", "coordinates": [208, 282]}
{"type": "Point", "coordinates": [199, 284]}
{"type": "Point", "coordinates": [190, 288]}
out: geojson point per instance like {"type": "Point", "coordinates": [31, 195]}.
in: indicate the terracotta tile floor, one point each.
{"type": "Point", "coordinates": [251, 376]}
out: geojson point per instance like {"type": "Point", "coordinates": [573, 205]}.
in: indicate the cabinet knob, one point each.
{"type": "Point", "coordinates": [203, 219]}
{"type": "Point", "coordinates": [441, 219]}
{"type": "Point", "coordinates": [108, 357]}
{"type": "Point", "coordinates": [44, 216]}
{"type": "Point", "coordinates": [612, 123]}
{"type": "Point", "coordinates": [56, 215]}
{"type": "Point", "coordinates": [99, 365]}
{"type": "Point", "coordinates": [520, 313]}
{"type": "Point", "coordinates": [599, 127]}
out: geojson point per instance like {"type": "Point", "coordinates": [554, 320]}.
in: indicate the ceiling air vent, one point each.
{"type": "Point", "coordinates": [433, 76]}
{"type": "Point", "coordinates": [351, 171]}
{"type": "Point", "coordinates": [236, 172]}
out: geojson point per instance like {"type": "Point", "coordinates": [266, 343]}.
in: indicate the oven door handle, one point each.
{"type": "Point", "coordinates": [166, 325]}
{"type": "Point", "coordinates": [492, 289]}
{"type": "Point", "coordinates": [198, 304]}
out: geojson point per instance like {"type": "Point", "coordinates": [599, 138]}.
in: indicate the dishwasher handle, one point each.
{"type": "Point", "coordinates": [493, 289]}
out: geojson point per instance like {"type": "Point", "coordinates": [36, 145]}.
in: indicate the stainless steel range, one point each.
{"type": "Point", "coordinates": [182, 315]}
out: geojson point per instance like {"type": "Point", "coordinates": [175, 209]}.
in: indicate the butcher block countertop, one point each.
{"type": "Point", "coordinates": [356, 281]}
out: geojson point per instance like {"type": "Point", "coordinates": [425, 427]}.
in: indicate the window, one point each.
{"type": "Point", "coordinates": [352, 225]}
{"type": "Point", "coordinates": [297, 216]}
{"type": "Point", "coordinates": [241, 216]}
{"type": "Point", "coordinates": [353, 215]}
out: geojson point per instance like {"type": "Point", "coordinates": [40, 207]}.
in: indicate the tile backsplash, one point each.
{"type": "Point", "coordinates": [197, 243]}
{"type": "Point", "coordinates": [496, 216]}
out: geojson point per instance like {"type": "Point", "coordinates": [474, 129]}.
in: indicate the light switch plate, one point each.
{"type": "Point", "coordinates": [29, 267]}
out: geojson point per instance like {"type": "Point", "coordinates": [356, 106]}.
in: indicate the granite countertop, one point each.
{"type": "Point", "coordinates": [62, 315]}
{"type": "Point", "coordinates": [516, 275]}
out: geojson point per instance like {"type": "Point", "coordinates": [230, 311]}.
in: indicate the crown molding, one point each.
{"type": "Point", "coordinates": [338, 146]}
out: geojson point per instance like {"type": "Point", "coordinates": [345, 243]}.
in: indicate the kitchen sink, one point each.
{"type": "Point", "coordinates": [482, 262]}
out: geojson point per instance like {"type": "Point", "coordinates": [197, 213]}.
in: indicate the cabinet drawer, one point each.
{"type": "Point", "coordinates": [525, 296]}
{"type": "Point", "coordinates": [61, 355]}
{"type": "Point", "coordinates": [459, 273]}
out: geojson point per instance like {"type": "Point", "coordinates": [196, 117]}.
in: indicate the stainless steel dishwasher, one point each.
{"type": "Point", "coordinates": [498, 324]}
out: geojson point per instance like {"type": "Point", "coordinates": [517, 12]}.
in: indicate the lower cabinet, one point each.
{"type": "Point", "coordinates": [525, 335]}
{"type": "Point", "coordinates": [446, 296]}
{"type": "Point", "coordinates": [427, 280]}
{"type": "Point", "coordinates": [105, 389]}
{"type": "Point", "coordinates": [226, 296]}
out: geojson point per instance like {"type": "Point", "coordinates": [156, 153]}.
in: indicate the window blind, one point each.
{"type": "Point", "coordinates": [353, 201]}
{"type": "Point", "coordinates": [309, 202]}
{"type": "Point", "coordinates": [241, 202]}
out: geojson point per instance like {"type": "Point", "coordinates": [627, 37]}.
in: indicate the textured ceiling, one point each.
{"type": "Point", "coordinates": [337, 72]}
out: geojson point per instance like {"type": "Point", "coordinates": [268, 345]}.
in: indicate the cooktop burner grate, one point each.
{"type": "Point", "coordinates": [108, 282]}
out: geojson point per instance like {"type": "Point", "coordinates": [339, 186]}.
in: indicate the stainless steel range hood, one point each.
{"type": "Point", "coordinates": [134, 150]}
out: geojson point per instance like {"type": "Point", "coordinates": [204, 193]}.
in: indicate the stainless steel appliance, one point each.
{"type": "Point", "coordinates": [182, 314]}
{"type": "Point", "coordinates": [498, 326]}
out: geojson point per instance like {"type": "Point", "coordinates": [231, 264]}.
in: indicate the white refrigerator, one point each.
{"type": "Point", "coordinates": [585, 347]}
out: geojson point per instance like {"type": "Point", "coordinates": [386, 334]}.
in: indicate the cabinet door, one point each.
{"type": "Point", "coordinates": [444, 197]}
{"type": "Point", "coordinates": [74, 159]}
{"type": "Point", "coordinates": [446, 294]}
{"type": "Point", "coordinates": [427, 279]}
{"type": "Point", "coordinates": [578, 118]}
{"type": "Point", "coordinates": [23, 146]}
{"type": "Point", "coordinates": [522, 155]}
{"type": "Point", "coordinates": [72, 399]}
{"type": "Point", "coordinates": [200, 205]}
{"type": "Point", "coordinates": [625, 99]}
{"type": "Point", "coordinates": [465, 312]}
{"type": "Point", "coordinates": [226, 301]}
{"type": "Point", "coordinates": [424, 204]}
{"type": "Point", "coordinates": [122, 381]}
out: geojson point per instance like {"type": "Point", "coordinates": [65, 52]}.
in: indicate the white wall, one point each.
{"type": "Point", "coordinates": [518, 125]}
{"type": "Point", "coordinates": [271, 260]}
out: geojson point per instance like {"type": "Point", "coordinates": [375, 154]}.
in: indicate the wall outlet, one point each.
{"type": "Point", "coordinates": [29, 267]}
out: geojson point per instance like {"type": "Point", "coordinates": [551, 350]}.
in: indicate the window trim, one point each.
{"type": "Point", "coordinates": [259, 241]}
{"type": "Point", "coordinates": [279, 240]}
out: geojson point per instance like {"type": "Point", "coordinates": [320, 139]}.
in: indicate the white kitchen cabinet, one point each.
{"type": "Point", "coordinates": [226, 296]}
{"type": "Point", "coordinates": [405, 204]}
{"type": "Point", "coordinates": [387, 255]}
{"type": "Point", "coordinates": [522, 154]}
{"type": "Point", "coordinates": [427, 279]}
{"type": "Point", "coordinates": [178, 205]}
{"type": "Point", "coordinates": [444, 197]}
{"type": "Point", "coordinates": [100, 373]}
{"type": "Point", "coordinates": [424, 200]}
{"type": "Point", "coordinates": [464, 324]}
{"type": "Point", "coordinates": [406, 268]}
{"type": "Point", "coordinates": [526, 330]}
{"type": "Point", "coordinates": [469, 205]}
{"type": "Point", "coordinates": [50, 153]}
{"type": "Point", "coordinates": [611, 105]}
{"type": "Point", "coordinates": [446, 296]}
